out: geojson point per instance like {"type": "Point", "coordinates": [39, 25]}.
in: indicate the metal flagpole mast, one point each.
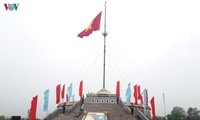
{"type": "Point", "coordinates": [104, 59]}
{"type": "Point", "coordinates": [164, 105]}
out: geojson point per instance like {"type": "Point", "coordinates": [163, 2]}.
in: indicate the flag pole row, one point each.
{"type": "Point", "coordinates": [138, 96]}
{"type": "Point", "coordinates": [60, 95]}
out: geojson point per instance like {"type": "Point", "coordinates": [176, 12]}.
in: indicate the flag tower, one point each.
{"type": "Point", "coordinates": [105, 33]}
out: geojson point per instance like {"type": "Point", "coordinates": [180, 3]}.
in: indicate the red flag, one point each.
{"type": "Point", "coordinates": [63, 92]}
{"type": "Point", "coordinates": [58, 94]}
{"type": "Point", "coordinates": [139, 95]}
{"type": "Point", "coordinates": [118, 89]}
{"type": "Point", "coordinates": [135, 94]}
{"type": "Point", "coordinates": [94, 25]}
{"type": "Point", "coordinates": [147, 99]}
{"type": "Point", "coordinates": [33, 108]}
{"type": "Point", "coordinates": [153, 108]}
{"type": "Point", "coordinates": [81, 89]}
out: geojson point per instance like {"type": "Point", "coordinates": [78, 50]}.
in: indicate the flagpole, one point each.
{"type": "Point", "coordinates": [105, 33]}
{"type": "Point", "coordinates": [104, 59]}
{"type": "Point", "coordinates": [164, 105]}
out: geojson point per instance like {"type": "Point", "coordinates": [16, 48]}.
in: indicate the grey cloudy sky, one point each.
{"type": "Point", "coordinates": [151, 43]}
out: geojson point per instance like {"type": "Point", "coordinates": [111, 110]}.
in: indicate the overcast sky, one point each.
{"type": "Point", "coordinates": [151, 43]}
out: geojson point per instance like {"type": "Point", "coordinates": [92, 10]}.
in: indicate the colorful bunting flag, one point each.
{"type": "Point", "coordinates": [33, 108]}
{"type": "Point", "coordinates": [69, 92]}
{"type": "Point", "coordinates": [153, 108]}
{"type": "Point", "coordinates": [135, 94]}
{"type": "Point", "coordinates": [144, 99]}
{"type": "Point", "coordinates": [81, 89]}
{"type": "Point", "coordinates": [118, 89]}
{"type": "Point", "coordinates": [46, 100]}
{"type": "Point", "coordinates": [63, 92]}
{"type": "Point", "coordinates": [72, 98]}
{"type": "Point", "coordinates": [128, 94]}
{"type": "Point", "coordinates": [58, 94]}
{"type": "Point", "coordinates": [139, 94]}
{"type": "Point", "coordinates": [147, 99]}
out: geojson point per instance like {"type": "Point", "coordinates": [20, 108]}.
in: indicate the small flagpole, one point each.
{"type": "Point", "coordinates": [164, 105]}
{"type": "Point", "coordinates": [104, 59]}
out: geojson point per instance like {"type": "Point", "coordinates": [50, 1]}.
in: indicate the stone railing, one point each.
{"type": "Point", "coordinates": [136, 112]}
{"type": "Point", "coordinates": [74, 106]}
{"type": "Point", "coordinates": [59, 110]}
{"type": "Point", "coordinates": [139, 114]}
{"type": "Point", "coordinates": [125, 106]}
{"type": "Point", "coordinates": [53, 114]}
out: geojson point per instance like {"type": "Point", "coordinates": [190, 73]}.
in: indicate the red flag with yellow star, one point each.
{"type": "Point", "coordinates": [94, 25]}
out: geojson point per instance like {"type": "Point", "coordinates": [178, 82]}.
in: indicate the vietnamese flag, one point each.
{"type": "Point", "coordinates": [93, 26]}
{"type": "Point", "coordinates": [33, 108]}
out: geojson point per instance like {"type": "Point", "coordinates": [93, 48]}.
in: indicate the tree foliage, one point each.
{"type": "Point", "coordinates": [160, 118]}
{"type": "Point", "coordinates": [3, 118]}
{"type": "Point", "coordinates": [179, 113]}
{"type": "Point", "coordinates": [193, 114]}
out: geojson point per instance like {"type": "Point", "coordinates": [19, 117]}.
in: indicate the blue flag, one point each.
{"type": "Point", "coordinates": [46, 100]}
{"type": "Point", "coordinates": [144, 99]}
{"type": "Point", "coordinates": [69, 92]}
{"type": "Point", "coordinates": [128, 94]}
{"type": "Point", "coordinates": [73, 98]}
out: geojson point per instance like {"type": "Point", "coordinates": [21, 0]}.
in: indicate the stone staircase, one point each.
{"type": "Point", "coordinates": [108, 104]}
{"type": "Point", "coordinates": [113, 111]}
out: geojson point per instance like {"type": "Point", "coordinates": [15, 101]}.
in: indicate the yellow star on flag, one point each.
{"type": "Point", "coordinates": [89, 27]}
